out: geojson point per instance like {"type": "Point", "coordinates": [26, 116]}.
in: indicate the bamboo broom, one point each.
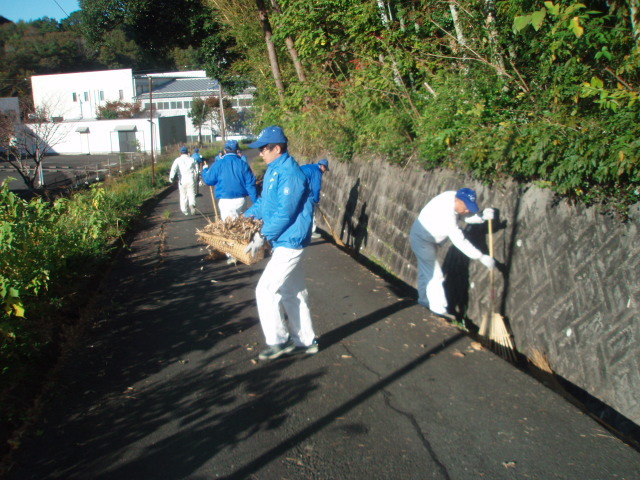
{"type": "Point", "coordinates": [335, 236]}
{"type": "Point", "coordinates": [493, 328]}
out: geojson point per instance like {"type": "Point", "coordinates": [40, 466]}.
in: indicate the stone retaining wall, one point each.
{"type": "Point", "coordinates": [569, 286]}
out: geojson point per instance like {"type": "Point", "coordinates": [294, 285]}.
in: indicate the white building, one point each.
{"type": "Point", "coordinates": [77, 96]}
{"type": "Point", "coordinates": [173, 94]}
{"type": "Point", "coordinates": [74, 99]}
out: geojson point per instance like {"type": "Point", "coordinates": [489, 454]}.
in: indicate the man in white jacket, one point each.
{"type": "Point", "coordinates": [437, 221]}
{"type": "Point", "coordinates": [184, 167]}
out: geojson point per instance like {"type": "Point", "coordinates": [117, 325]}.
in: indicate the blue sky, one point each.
{"type": "Point", "coordinates": [27, 10]}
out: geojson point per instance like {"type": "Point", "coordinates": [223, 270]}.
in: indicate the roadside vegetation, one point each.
{"type": "Point", "coordinates": [50, 253]}
{"type": "Point", "coordinates": [541, 92]}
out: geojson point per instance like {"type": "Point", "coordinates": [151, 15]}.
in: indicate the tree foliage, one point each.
{"type": "Point", "coordinates": [539, 91]}
{"type": "Point", "coordinates": [118, 109]}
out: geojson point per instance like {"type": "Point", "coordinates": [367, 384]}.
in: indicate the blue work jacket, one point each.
{"type": "Point", "coordinates": [286, 205]}
{"type": "Point", "coordinates": [314, 174]}
{"type": "Point", "coordinates": [232, 178]}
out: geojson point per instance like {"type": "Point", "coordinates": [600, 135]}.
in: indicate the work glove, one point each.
{"type": "Point", "coordinates": [474, 219]}
{"type": "Point", "coordinates": [255, 245]}
{"type": "Point", "coordinates": [488, 262]}
{"type": "Point", "coordinates": [488, 214]}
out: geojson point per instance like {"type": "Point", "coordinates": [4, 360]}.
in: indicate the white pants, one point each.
{"type": "Point", "coordinates": [188, 198]}
{"type": "Point", "coordinates": [282, 284]}
{"type": "Point", "coordinates": [230, 207]}
{"type": "Point", "coordinates": [430, 277]}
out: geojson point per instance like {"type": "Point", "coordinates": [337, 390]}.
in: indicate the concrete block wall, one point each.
{"type": "Point", "coordinates": [569, 286]}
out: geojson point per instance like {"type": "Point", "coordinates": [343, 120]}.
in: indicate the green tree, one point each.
{"type": "Point", "coordinates": [160, 29]}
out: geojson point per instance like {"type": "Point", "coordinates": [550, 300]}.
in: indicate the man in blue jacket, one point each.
{"type": "Point", "coordinates": [286, 208]}
{"type": "Point", "coordinates": [233, 180]}
{"type": "Point", "coordinates": [314, 172]}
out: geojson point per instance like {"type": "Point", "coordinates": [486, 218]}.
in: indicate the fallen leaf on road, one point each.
{"type": "Point", "coordinates": [458, 354]}
{"type": "Point", "coordinates": [346, 356]}
{"type": "Point", "coordinates": [476, 345]}
{"type": "Point", "coordinates": [509, 464]}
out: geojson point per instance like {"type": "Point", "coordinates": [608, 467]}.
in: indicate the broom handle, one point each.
{"type": "Point", "coordinates": [493, 292]}
{"type": "Point", "coordinates": [215, 207]}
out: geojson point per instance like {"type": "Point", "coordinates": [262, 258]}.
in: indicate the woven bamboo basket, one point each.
{"type": "Point", "coordinates": [233, 247]}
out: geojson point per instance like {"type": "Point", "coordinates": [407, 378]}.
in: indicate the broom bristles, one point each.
{"type": "Point", "coordinates": [497, 336]}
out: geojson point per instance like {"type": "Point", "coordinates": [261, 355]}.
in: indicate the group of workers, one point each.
{"type": "Point", "coordinates": [286, 207]}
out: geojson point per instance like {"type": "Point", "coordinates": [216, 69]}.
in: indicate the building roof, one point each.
{"type": "Point", "coordinates": [183, 87]}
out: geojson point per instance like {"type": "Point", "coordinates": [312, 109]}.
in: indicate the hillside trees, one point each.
{"type": "Point", "coordinates": [542, 91]}
{"type": "Point", "coordinates": [39, 47]}
{"type": "Point", "coordinates": [183, 34]}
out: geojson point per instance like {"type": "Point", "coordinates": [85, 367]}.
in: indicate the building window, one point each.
{"type": "Point", "coordinates": [101, 95]}
{"type": "Point", "coordinates": [86, 96]}
{"type": "Point", "coordinates": [179, 105]}
{"type": "Point", "coordinates": [187, 104]}
{"type": "Point", "coordinates": [121, 94]}
{"type": "Point", "coordinates": [244, 102]}
{"type": "Point", "coordinates": [159, 106]}
{"type": "Point", "coordinates": [166, 105]}
{"type": "Point", "coordinates": [74, 95]}
{"type": "Point", "coordinates": [173, 105]}
{"type": "Point", "coordinates": [147, 106]}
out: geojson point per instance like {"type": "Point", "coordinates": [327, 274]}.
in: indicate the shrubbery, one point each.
{"type": "Point", "coordinates": [537, 91]}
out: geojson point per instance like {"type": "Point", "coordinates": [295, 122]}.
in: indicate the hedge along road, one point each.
{"type": "Point", "coordinates": [167, 386]}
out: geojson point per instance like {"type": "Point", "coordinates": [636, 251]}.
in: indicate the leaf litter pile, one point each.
{"type": "Point", "coordinates": [239, 229]}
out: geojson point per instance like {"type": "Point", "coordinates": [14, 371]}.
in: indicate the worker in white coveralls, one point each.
{"type": "Point", "coordinates": [436, 222]}
{"type": "Point", "coordinates": [185, 168]}
{"type": "Point", "coordinates": [286, 208]}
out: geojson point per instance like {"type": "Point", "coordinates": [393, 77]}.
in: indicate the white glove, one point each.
{"type": "Point", "coordinates": [488, 262]}
{"type": "Point", "coordinates": [488, 214]}
{"type": "Point", "coordinates": [474, 219]}
{"type": "Point", "coordinates": [255, 245]}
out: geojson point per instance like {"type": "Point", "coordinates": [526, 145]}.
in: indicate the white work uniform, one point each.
{"type": "Point", "coordinates": [230, 207]}
{"type": "Point", "coordinates": [283, 281]}
{"type": "Point", "coordinates": [436, 222]}
{"type": "Point", "coordinates": [186, 169]}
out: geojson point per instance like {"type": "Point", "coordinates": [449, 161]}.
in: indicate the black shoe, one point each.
{"type": "Point", "coordinates": [274, 351]}
{"type": "Point", "coordinates": [309, 349]}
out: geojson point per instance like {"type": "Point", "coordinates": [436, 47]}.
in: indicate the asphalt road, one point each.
{"type": "Point", "coordinates": [167, 384]}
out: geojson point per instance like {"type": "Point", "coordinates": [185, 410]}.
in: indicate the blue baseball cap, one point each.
{"type": "Point", "coordinates": [197, 150]}
{"type": "Point", "coordinates": [468, 196]}
{"type": "Point", "coordinates": [184, 150]}
{"type": "Point", "coordinates": [231, 146]}
{"type": "Point", "coordinates": [272, 134]}
{"type": "Point", "coordinates": [324, 162]}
